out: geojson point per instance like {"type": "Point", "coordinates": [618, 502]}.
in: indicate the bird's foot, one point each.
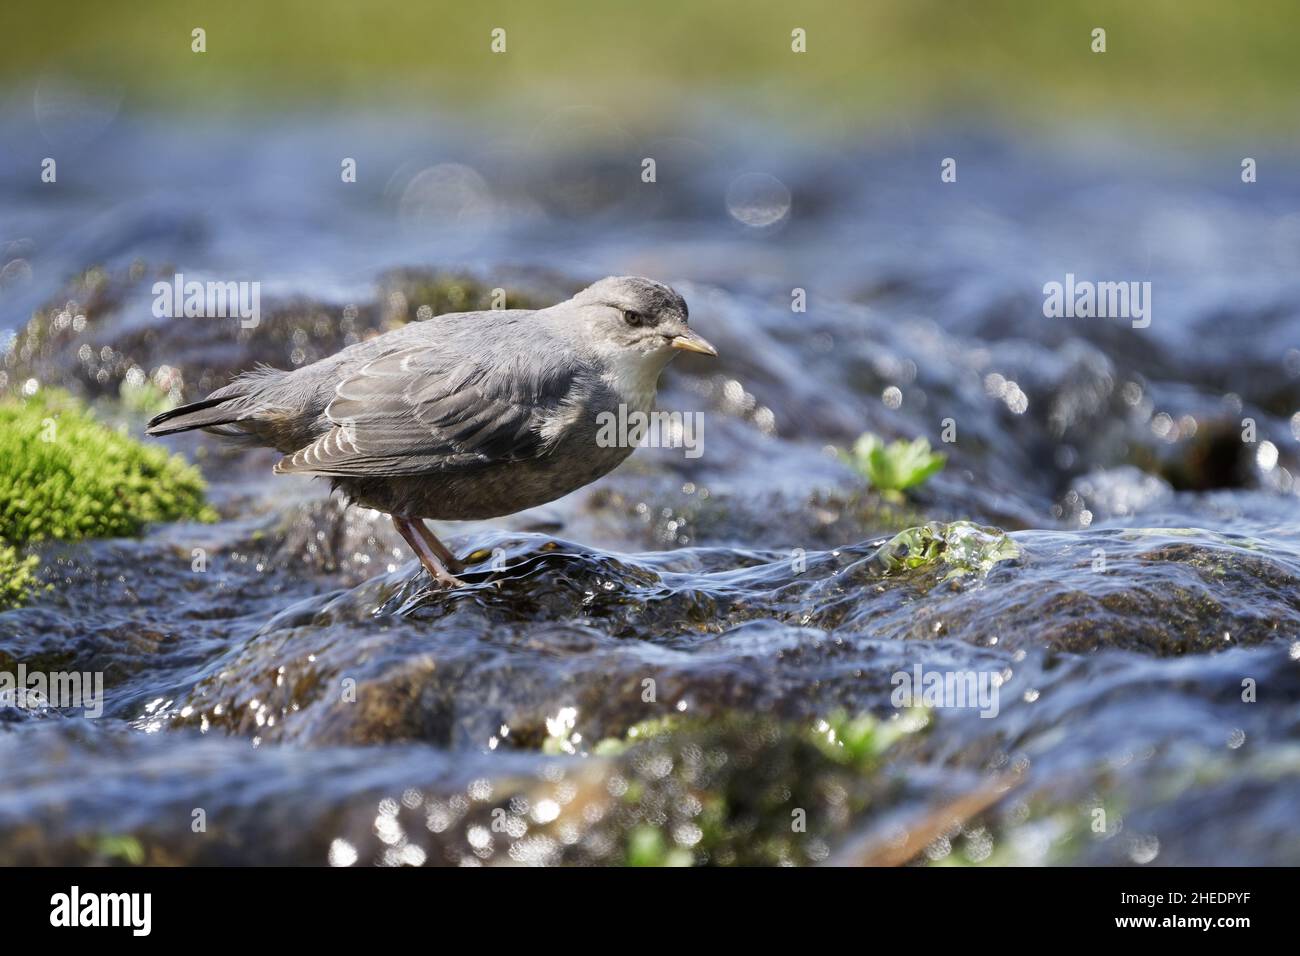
{"type": "Point", "coordinates": [440, 574]}
{"type": "Point", "coordinates": [448, 560]}
{"type": "Point", "coordinates": [430, 551]}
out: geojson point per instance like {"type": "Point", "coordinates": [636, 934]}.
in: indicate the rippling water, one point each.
{"type": "Point", "coordinates": [318, 702]}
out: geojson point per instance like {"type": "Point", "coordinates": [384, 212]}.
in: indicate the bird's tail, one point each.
{"type": "Point", "coordinates": [236, 402]}
{"type": "Point", "coordinates": [211, 411]}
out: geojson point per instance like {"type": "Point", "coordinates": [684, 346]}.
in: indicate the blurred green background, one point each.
{"type": "Point", "coordinates": [1194, 65]}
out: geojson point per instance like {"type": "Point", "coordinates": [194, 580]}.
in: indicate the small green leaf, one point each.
{"type": "Point", "coordinates": [895, 467]}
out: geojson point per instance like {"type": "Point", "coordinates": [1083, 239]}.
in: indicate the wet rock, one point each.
{"type": "Point", "coordinates": [322, 703]}
{"type": "Point", "coordinates": [545, 625]}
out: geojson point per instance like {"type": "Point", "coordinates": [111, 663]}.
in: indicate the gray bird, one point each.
{"type": "Point", "coordinates": [463, 416]}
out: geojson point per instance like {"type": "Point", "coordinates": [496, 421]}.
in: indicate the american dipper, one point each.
{"type": "Point", "coordinates": [463, 416]}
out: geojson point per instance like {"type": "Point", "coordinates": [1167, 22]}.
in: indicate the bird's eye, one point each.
{"type": "Point", "coordinates": [633, 318]}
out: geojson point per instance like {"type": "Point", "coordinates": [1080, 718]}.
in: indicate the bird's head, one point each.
{"type": "Point", "coordinates": [630, 319]}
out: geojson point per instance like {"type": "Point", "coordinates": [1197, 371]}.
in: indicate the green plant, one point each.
{"type": "Point", "coordinates": [647, 846]}
{"type": "Point", "coordinates": [895, 467]}
{"type": "Point", "coordinates": [961, 547]}
{"type": "Point", "coordinates": [17, 575]}
{"type": "Point", "coordinates": [125, 848]}
{"type": "Point", "coordinates": [861, 741]}
{"type": "Point", "coordinates": [66, 476]}
{"type": "Point", "coordinates": [637, 733]}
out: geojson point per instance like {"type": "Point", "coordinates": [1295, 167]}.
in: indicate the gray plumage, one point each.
{"type": "Point", "coordinates": [462, 416]}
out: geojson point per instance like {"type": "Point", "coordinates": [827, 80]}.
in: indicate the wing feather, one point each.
{"type": "Point", "coordinates": [426, 408]}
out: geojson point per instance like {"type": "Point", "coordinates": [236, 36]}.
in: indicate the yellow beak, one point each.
{"type": "Point", "coordinates": [690, 342]}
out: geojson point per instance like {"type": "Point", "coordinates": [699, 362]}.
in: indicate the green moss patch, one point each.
{"type": "Point", "coordinates": [66, 476]}
{"type": "Point", "coordinates": [960, 547]}
{"type": "Point", "coordinates": [17, 575]}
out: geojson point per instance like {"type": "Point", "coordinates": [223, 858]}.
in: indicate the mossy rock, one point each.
{"type": "Point", "coordinates": [66, 476]}
{"type": "Point", "coordinates": [729, 791]}
{"type": "Point", "coordinates": [17, 575]}
{"type": "Point", "coordinates": [959, 547]}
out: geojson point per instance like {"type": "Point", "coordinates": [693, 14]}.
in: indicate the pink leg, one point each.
{"type": "Point", "coordinates": [449, 560]}
{"type": "Point", "coordinates": [428, 557]}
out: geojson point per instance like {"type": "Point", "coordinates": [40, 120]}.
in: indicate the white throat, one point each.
{"type": "Point", "coordinates": [634, 376]}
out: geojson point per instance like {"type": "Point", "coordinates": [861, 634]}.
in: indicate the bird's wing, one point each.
{"type": "Point", "coordinates": [431, 408]}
